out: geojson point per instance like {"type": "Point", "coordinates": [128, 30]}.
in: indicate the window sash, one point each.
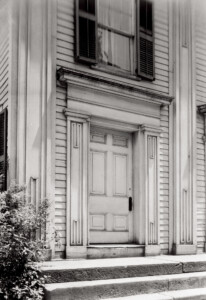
{"type": "Point", "coordinates": [120, 32]}
{"type": "Point", "coordinates": [133, 46]}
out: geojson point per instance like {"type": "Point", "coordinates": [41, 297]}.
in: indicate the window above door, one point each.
{"type": "Point", "coordinates": [117, 35]}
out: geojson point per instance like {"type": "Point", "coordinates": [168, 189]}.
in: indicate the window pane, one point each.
{"type": "Point", "coordinates": [114, 49]}
{"type": "Point", "coordinates": [103, 12]}
{"type": "Point", "coordinates": [87, 6]}
{"type": "Point", "coordinates": [117, 14]}
{"type": "Point", "coordinates": [143, 13]}
{"type": "Point", "coordinates": [127, 20]}
{"type": "Point", "coordinates": [149, 16]}
{"type": "Point", "coordinates": [83, 5]}
{"type": "Point", "coordinates": [91, 6]}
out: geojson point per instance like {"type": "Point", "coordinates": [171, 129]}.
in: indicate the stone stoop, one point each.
{"type": "Point", "coordinates": [191, 294]}
{"type": "Point", "coordinates": [163, 277]}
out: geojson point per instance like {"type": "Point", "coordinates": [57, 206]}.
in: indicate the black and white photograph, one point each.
{"type": "Point", "coordinates": [103, 149]}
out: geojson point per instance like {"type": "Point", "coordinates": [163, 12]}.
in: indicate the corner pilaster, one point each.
{"type": "Point", "coordinates": [184, 132]}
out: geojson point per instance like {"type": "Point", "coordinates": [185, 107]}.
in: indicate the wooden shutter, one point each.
{"type": "Point", "coordinates": [3, 150]}
{"type": "Point", "coordinates": [86, 31]}
{"type": "Point", "coordinates": [145, 39]}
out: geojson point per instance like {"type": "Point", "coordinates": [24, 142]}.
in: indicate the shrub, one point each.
{"type": "Point", "coordinates": [20, 224]}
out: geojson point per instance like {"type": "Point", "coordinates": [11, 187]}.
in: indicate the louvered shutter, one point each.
{"type": "Point", "coordinates": [145, 40]}
{"type": "Point", "coordinates": [3, 150]}
{"type": "Point", "coordinates": [86, 31]}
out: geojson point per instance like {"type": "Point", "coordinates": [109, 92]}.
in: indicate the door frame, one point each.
{"type": "Point", "coordinates": [77, 211]}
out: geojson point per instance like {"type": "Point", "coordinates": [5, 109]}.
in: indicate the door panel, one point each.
{"type": "Point", "coordinates": [110, 220]}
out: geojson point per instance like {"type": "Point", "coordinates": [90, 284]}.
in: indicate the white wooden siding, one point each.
{"type": "Point", "coordinates": [66, 36]}
{"type": "Point", "coordinates": [4, 54]}
{"type": "Point", "coordinates": [200, 47]}
{"type": "Point", "coordinates": [60, 169]}
{"type": "Point", "coordinates": [164, 180]}
{"type": "Point", "coordinates": [201, 204]}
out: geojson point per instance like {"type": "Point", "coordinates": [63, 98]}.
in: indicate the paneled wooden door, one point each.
{"type": "Point", "coordinates": [110, 178]}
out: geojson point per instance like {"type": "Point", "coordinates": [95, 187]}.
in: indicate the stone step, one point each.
{"type": "Point", "coordinates": [111, 288]}
{"type": "Point", "coordinates": [191, 294]}
{"type": "Point", "coordinates": [102, 269]}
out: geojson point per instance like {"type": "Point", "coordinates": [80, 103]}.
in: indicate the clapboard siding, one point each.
{"type": "Point", "coordinates": [201, 188]}
{"type": "Point", "coordinates": [66, 36]}
{"type": "Point", "coordinates": [200, 47]}
{"type": "Point", "coordinates": [60, 169]}
{"type": "Point", "coordinates": [200, 54]}
{"type": "Point", "coordinates": [164, 180]}
{"type": "Point", "coordinates": [4, 54]}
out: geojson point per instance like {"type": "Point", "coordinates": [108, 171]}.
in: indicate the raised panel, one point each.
{"type": "Point", "coordinates": [120, 223]}
{"type": "Point", "coordinates": [97, 222]}
{"type": "Point", "coordinates": [98, 137]}
{"type": "Point", "coordinates": [76, 180]}
{"type": "Point", "coordinates": [152, 189]}
{"type": "Point", "coordinates": [120, 175]}
{"type": "Point", "coordinates": [120, 141]}
{"type": "Point", "coordinates": [98, 174]}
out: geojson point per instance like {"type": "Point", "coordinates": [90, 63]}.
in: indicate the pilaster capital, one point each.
{"type": "Point", "coordinates": [78, 116]}
{"type": "Point", "coordinates": [154, 130]}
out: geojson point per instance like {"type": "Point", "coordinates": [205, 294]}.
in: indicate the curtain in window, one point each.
{"type": "Point", "coordinates": [115, 33]}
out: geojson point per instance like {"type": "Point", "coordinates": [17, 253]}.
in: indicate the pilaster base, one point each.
{"type": "Point", "coordinates": [76, 252]}
{"type": "Point", "coordinates": [184, 249]}
{"type": "Point", "coordinates": [151, 250]}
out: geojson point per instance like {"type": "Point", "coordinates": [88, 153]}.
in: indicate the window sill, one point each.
{"type": "Point", "coordinates": [115, 72]}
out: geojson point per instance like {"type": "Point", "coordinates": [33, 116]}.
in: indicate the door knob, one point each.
{"type": "Point", "coordinates": [130, 203]}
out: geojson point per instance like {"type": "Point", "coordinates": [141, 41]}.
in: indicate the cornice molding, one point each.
{"type": "Point", "coordinates": [64, 75]}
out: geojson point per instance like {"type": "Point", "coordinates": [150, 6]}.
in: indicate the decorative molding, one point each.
{"type": "Point", "coordinates": [185, 23]}
{"type": "Point", "coordinates": [128, 97]}
{"type": "Point", "coordinates": [186, 217]}
{"type": "Point", "coordinates": [63, 75]}
{"type": "Point", "coordinates": [34, 191]}
{"type": "Point", "coordinates": [155, 130]}
{"type": "Point", "coordinates": [147, 152]}
{"type": "Point", "coordinates": [76, 116]}
{"type": "Point", "coordinates": [77, 181]}
{"type": "Point", "coordinates": [117, 125]}
{"type": "Point", "coordinates": [152, 190]}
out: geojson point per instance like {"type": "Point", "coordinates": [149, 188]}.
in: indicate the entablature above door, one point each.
{"type": "Point", "coordinates": [98, 95]}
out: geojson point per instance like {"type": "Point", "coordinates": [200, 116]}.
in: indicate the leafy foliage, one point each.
{"type": "Point", "coordinates": [20, 225]}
